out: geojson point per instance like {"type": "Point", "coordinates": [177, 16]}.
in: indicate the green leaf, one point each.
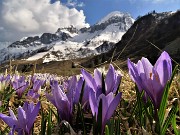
{"type": "Point", "coordinates": [82, 92]}
{"type": "Point", "coordinates": [94, 125]}
{"type": "Point", "coordinates": [148, 113]}
{"type": "Point", "coordinates": [107, 130]}
{"type": "Point", "coordinates": [49, 126]}
{"type": "Point", "coordinates": [174, 125]}
{"type": "Point", "coordinates": [117, 126]}
{"type": "Point", "coordinates": [169, 118]}
{"type": "Point", "coordinates": [55, 114]}
{"type": "Point", "coordinates": [140, 105]}
{"type": "Point", "coordinates": [99, 117]}
{"type": "Point", "coordinates": [8, 96]}
{"type": "Point", "coordinates": [32, 131]}
{"type": "Point", "coordinates": [111, 126]}
{"type": "Point", "coordinates": [82, 118]}
{"type": "Point", "coordinates": [103, 85]}
{"type": "Point", "coordinates": [43, 123]}
{"type": "Point", "coordinates": [162, 109]}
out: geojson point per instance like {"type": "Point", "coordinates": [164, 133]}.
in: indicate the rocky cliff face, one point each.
{"type": "Point", "coordinates": [123, 21]}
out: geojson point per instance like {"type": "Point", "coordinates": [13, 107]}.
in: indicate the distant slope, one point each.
{"type": "Point", "coordinates": [70, 43]}
{"type": "Point", "coordinates": [162, 29]}
{"type": "Point", "coordinates": [4, 44]}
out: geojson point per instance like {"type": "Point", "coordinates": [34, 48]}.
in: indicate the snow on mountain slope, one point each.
{"type": "Point", "coordinates": [111, 15]}
{"type": "Point", "coordinates": [71, 43]}
{"type": "Point", "coordinates": [4, 44]}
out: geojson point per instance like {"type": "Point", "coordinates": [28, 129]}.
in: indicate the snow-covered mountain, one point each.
{"type": "Point", "coordinates": [70, 43]}
{"type": "Point", "coordinates": [162, 29]}
{"type": "Point", "coordinates": [4, 44]}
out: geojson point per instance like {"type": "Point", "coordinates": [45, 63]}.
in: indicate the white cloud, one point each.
{"type": "Point", "coordinates": [74, 3]}
{"type": "Point", "coordinates": [132, 1]}
{"type": "Point", "coordinates": [162, 1]}
{"type": "Point", "coordinates": [26, 17]}
{"type": "Point", "coordinates": [154, 1]}
{"type": "Point", "coordinates": [1, 28]}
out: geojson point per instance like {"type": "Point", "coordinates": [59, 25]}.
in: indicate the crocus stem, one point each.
{"type": "Point", "coordinates": [158, 126]}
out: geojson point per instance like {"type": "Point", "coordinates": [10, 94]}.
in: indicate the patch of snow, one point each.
{"type": "Point", "coordinates": [110, 15]}
{"type": "Point", "coordinates": [24, 38]}
{"type": "Point", "coordinates": [37, 56]}
{"type": "Point", "coordinates": [4, 45]}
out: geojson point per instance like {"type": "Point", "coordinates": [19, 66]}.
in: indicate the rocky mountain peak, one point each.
{"type": "Point", "coordinates": [122, 21]}
{"type": "Point", "coordinates": [69, 42]}
{"type": "Point", "coordinates": [114, 16]}
{"type": "Point", "coordinates": [161, 29]}
{"type": "Point", "coordinates": [70, 29]}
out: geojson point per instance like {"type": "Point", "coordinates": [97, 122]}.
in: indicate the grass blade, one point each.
{"type": "Point", "coordinates": [174, 125]}
{"type": "Point", "coordinates": [140, 105]}
{"type": "Point", "coordinates": [49, 126]}
{"type": "Point", "coordinates": [169, 118]}
{"type": "Point", "coordinates": [163, 104]}
{"type": "Point", "coordinates": [43, 123]}
{"type": "Point", "coordinates": [99, 117]}
{"type": "Point", "coordinates": [107, 130]}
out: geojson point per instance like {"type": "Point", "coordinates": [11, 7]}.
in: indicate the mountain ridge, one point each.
{"type": "Point", "coordinates": [160, 29]}
{"type": "Point", "coordinates": [69, 43]}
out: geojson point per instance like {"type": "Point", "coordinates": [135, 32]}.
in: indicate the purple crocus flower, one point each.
{"type": "Point", "coordinates": [20, 85]}
{"type": "Point", "coordinates": [33, 78]}
{"type": "Point", "coordinates": [60, 100]}
{"type": "Point", "coordinates": [109, 104]}
{"type": "Point", "coordinates": [32, 95]}
{"type": "Point", "coordinates": [74, 87]}
{"type": "Point", "coordinates": [37, 85]}
{"type": "Point", "coordinates": [112, 80]}
{"type": "Point", "coordinates": [65, 96]}
{"type": "Point", "coordinates": [5, 78]}
{"type": "Point", "coordinates": [85, 96]}
{"type": "Point", "coordinates": [26, 117]}
{"type": "Point", "coordinates": [4, 82]}
{"type": "Point", "coordinates": [152, 79]}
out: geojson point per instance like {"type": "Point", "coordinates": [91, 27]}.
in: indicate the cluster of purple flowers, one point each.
{"type": "Point", "coordinates": [96, 89]}
{"type": "Point", "coordinates": [152, 79]}
{"type": "Point", "coordinates": [26, 117]}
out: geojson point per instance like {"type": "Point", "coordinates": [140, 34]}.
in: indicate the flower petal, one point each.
{"type": "Point", "coordinates": [110, 79]}
{"type": "Point", "coordinates": [163, 67]}
{"type": "Point", "coordinates": [93, 103]}
{"type": "Point", "coordinates": [147, 68]}
{"type": "Point", "coordinates": [32, 116]}
{"type": "Point", "coordinates": [118, 81]}
{"type": "Point", "coordinates": [133, 72]}
{"type": "Point", "coordinates": [85, 99]}
{"type": "Point", "coordinates": [104, 108]}
{"type": "Point", "coordinates": [78, 90]}
{"type": "Point", "coordinates": [98, 78]}
{"type": "Point", "coordinates": [51, 99]}
{"type": "Point", "coordinates": [8, 120]}
{"type": "Point", "coordinates": [113, 105]}
{"type": "Point", "coordinates": [12, 114]}
{"type": "Point", "coordinates": [89, 80]}
{"type": "Point", "coordinates": [22, 118]}
{"type": "Point", "coordinates": [12, 130]}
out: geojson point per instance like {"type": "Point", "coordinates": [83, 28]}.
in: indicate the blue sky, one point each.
{"type": "Point", "coordinates": [22, 18]}
{"type": "Point", "coordinates": [94, 10]}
